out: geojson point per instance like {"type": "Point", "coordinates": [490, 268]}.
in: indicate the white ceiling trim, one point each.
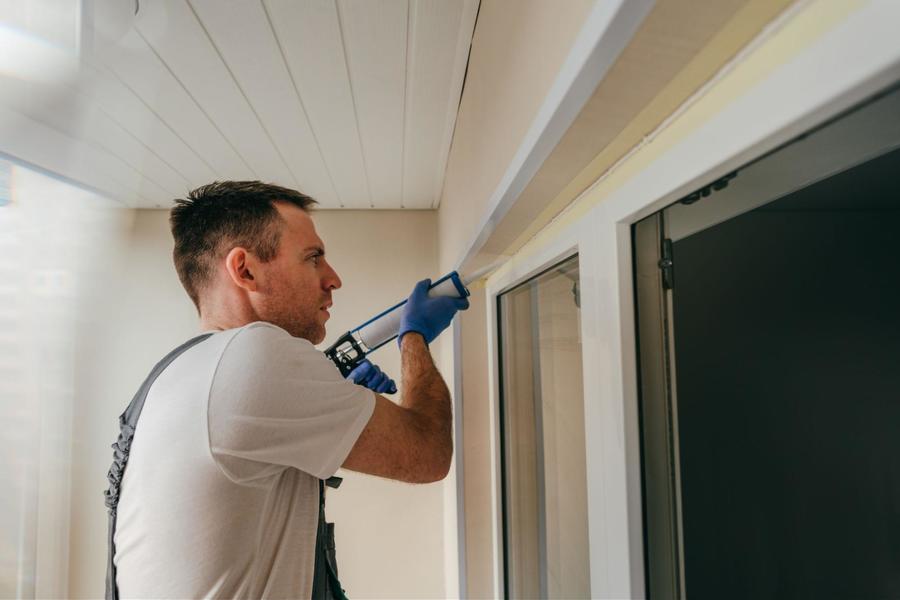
{"type": "Point", "coordinates": [609, 28]}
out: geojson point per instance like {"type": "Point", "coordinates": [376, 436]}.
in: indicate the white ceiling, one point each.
{"type": "Point", "coordinates": [351, 101]}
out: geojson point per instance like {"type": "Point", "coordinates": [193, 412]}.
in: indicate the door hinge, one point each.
{"type": "Point", "coordinates": [667, 266]}
{"type": "Point", "coordinates": [707, 190]}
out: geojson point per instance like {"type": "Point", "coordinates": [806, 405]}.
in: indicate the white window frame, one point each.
{"type": "Point", "coordinates": [789, 100]}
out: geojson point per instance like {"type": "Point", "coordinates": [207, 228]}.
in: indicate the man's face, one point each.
{"type": "Point", "coordinates": [295, 293]}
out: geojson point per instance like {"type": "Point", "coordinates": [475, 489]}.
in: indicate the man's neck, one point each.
{"type": "Point", "coordinates": [211, 320]}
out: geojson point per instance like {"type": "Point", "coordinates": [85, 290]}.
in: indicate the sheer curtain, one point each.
{"type": "Point", "coordinates": [48, 229]}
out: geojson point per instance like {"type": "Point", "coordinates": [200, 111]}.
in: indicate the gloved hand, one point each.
{"type": "Point", "coordinates": [428, 316]}
{"type": "Point", "coordinates": [368, 375]}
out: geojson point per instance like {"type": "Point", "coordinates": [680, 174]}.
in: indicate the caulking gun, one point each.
{"type": "Point", "coordinates": [351, 348]}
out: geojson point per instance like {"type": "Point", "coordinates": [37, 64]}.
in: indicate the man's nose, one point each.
{"type": "Point", "coordinates": [331, 281]}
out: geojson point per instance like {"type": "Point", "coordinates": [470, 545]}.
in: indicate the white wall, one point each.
{"type": "Point", "coordinates": [389, 535]}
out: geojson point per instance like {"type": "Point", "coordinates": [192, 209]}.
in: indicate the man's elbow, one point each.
{"type": "Point", "coordinates": [437, 468]}
{"type": "Point", "coordinates": [443, 468]}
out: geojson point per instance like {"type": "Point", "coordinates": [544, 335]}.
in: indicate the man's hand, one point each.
{"type": "Point", "coordinates": [368, 375]}
{"type": "Point", "coordinates": [428, 316]}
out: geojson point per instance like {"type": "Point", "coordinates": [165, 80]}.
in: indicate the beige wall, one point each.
{"type": "Point", "coordinates": [136, 311]}
{"type": "Point", "coordinates": [517, 50]}
{"type": "Point", "coordinates": [390, 536]}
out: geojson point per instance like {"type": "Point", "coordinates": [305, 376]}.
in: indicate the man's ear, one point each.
{"type": "Point", "coordinates": [241, 268]}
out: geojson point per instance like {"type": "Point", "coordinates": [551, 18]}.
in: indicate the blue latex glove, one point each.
{"type": "Point", "coordinates": [428, 316]}
{"type": "Point", "coordinates": [368, 375]}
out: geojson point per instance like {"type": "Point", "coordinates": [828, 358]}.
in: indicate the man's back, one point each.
{"type": "Point", "coordinates": [217, 498]}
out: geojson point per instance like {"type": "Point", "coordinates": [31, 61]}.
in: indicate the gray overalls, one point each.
{"type": "Point", "coordinates": [325, 580]}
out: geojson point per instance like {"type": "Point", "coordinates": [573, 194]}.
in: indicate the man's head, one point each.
{"type": "Point", "coordinates": [248, 251]}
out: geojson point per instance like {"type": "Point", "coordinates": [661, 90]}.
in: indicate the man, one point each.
{"type": "Point", "coordinates": [221, 492]}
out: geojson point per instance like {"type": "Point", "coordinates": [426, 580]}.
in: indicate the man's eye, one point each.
{"type": "Point", "coordinates": [315, 259]}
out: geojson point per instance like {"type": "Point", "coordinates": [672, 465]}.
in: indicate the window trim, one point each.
{"type": "Point", "coordinates": [497, 286]}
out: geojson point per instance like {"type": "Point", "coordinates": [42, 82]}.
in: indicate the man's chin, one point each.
{"type": "Point", "coordinates": [315, 335]}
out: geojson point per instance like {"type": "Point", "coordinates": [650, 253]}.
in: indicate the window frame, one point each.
{"type": "Point", "coordinates": [770, 110]}
{"type": "Point", "coordinates": [502, 325]}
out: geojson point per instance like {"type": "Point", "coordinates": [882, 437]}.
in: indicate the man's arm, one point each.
{"type": "Point", "coordinates": [411, 442]}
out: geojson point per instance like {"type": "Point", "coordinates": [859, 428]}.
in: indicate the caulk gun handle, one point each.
{"type": "Point", "coordinates": [346, 353]}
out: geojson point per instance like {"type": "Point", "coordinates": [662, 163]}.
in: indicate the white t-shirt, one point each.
{"type": "Point", "coordinates": [220, 494]}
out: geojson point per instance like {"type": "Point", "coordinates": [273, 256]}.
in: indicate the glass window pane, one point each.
{"type": "Point", "coordinates": [542, 404]}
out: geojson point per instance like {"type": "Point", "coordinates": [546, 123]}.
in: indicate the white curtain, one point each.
{"type": "Point", "coordinates": [49, 230]}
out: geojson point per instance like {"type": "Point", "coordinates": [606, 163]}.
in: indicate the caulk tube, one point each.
{"type": "Point", "coordinates": [351, 348]}
{"type": "Point", "coordinates": [381, 329]}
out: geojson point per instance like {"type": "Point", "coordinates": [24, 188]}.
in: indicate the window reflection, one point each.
{"type": "Point", "coordinates": [544, 495]}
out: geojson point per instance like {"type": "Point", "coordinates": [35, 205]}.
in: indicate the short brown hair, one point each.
{"type": "Point", "coordinates": [222, 215]}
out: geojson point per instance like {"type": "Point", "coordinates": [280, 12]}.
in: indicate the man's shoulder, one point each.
{"type": "Point", "coordinates": [262, 342]}
{"type": "Point", "coordinates": [261, 328]}
{"type": "Point", "coordinates": [266, 335]}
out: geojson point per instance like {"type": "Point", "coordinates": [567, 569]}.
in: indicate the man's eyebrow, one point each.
{"type": "Point", "coordinates": [318, 249]}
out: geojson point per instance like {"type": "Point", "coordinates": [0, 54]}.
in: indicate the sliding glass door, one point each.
{"type": "Point", "coordinates": [769, 461]}
{"type": "Point", "coordinates": [542, 432]}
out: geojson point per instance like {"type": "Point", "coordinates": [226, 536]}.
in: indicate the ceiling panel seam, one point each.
{"type": "Point", "coordinates": [362, 148]}
{"type": "Point", "coordinates": [162, 120]}
{"type": "Point", "coordinates": [243, 94]}
{"type": "Point", "coordinates": [80, 118]}
{"type": "Point", "coordinates": [113, 157]}
{"type": "Point", "coordinates": [300, 100]}
{"type": "Point", "coordinates": [131, 134]}
{"type": "Point", "coordinates": [407, 90]}
{"type": "Point", "coordinates": [116, 156]}
{"type": "Point", "coordinates": [150, 150]}
{"type": "Point", "coordinates": [403, 121]}
{"type": "Point", "coordinates": [194, 100]}
{"type": "Point", "coordinates": [69, 158]}
{"type": "Point", "coordinates": [107, 156]}
{"type": "Point", "coordinates": [112, 151]}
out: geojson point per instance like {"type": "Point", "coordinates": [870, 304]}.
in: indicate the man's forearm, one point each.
{"type": "Point", "coordinates": [425, 393]}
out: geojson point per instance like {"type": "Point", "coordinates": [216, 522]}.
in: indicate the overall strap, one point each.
{"type": "Point", "coordinates": [325, 576]}
{"type": "Point", "coordinates": [121, 449]}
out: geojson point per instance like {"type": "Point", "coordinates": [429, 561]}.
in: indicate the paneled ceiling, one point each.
{"type": "Point", "coordinates": [351, 101]}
